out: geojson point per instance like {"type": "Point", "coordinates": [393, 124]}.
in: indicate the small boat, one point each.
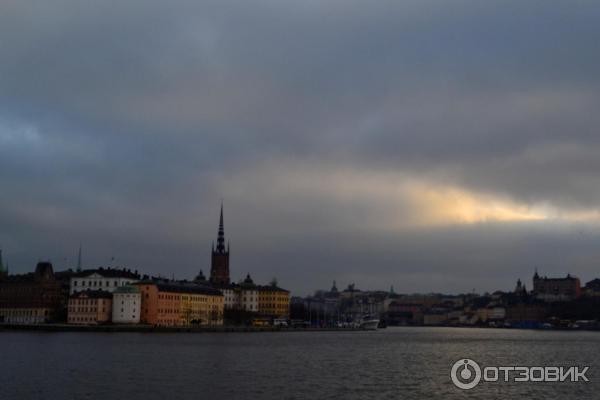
{"type": "Point", "coordinates": [369, 323]}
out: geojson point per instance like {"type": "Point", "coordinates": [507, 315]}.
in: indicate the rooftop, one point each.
{"type": "Point", "coordinates": [108, 273]}
{"type": "Point", "coordinates": [92, 294]}
{"type": "Point", "coordinates": [178, 287]}
{"type": "Point", "coordinates": [127, 289]}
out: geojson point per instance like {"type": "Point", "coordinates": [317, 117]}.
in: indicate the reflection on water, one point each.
{"type": "Point", "coordinates": [407, 363]}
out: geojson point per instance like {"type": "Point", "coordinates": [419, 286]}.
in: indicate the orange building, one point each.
{"type": "Point", "coordinates": [178, 304]}
{"type": "Point", "coordinates": [90, 307]}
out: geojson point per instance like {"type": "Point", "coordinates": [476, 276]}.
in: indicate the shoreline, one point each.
{"type": "Point", "coordinates": [162, 329]}
{"type": "Point", "coordinates": [222, 329]}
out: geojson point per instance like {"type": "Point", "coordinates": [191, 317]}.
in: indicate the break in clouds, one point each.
{"type": "Point", "coordinates": [430, 145]}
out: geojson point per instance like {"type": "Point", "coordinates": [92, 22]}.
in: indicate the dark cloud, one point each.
{"type": "Point", "coordinates": [122, 124]}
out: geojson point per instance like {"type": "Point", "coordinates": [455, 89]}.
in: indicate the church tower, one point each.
{"type": "Point", "coordinates": [219, 266]}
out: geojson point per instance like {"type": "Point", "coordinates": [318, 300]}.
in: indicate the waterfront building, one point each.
{"type": "Point", "coordinates": [90, 307]}
{"type": "Point", "coordinates": [435, 316]}
{"type": "Point", "coordinates": [248, 295]}
{"type": "Point", "coordinates": [592, 288]}
{"type": "Point", "coordinates": [126, 305]}
{"type": "Point", "coordinates": [490, 313]}
{"type": "Point", "coordinates": [219, 267]}
{"type": "Point", "coordinates": [34, 298]}
{"type": "Point", "coordinates": [556, 289]}
{"type": "Point", "coordinates": [404, 313]}
{"type": "Point", "coordinates": [107, 279]}
{"type": "Point", "coordinates": [244, 295]}
{"type": "Point", "coordinates": [241, 296]}
{"type": "Point", "coordinates": [526, 314]}
{"type": "Point", "coordinates": [230, 297]}
{"type": "Point", "coordinates": [180, 304]}
{"type": "Point", "coordinates": [273, 301]}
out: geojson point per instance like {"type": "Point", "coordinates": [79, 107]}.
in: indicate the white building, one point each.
{"type": "Point", "coordinates": [229, 297]}
{"type": "Point", "coordinates": [248, 295]}
{"type": "Point", "coordinates": [107, 279]}
{"type": "Point", "coordinates": [236, 296]}
{"type": "Point", "coordinates": [127, 305]}
{"type": "Point", "coordinates": [241, 296]}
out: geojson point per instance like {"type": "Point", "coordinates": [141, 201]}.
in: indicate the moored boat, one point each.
{"type": "Point", "coordinates": [369, 323]}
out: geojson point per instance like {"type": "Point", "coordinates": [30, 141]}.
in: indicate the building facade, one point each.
{"type": "Point", "coordinates": [178, 304]}
{"type": "Point", "coordinates": [273, 301]}
{"type": "Point", "coordinates": [90, 307]}
{"type": "Point", "coordinates": [33, 298]}
{"type": "Point", "coordinates": [107, 279]}
{"type": "Point", "coordinates": [592, 288]}
{"type": "Point", "coordinates": [127, 305]}
{"type": "Point", "coordinates": [556, 289]}
{"type": "Point", "coordinates": [241, 296]}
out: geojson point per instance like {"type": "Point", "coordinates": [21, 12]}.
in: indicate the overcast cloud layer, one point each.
{"type": "Point", "coordinates": [431, 145]}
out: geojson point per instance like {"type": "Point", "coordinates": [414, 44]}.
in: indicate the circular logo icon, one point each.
{"type": "Point", "coordinates": [465, 374]}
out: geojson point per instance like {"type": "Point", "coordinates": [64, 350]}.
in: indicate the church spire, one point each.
{"type": "Point", "coordinates": [221, 234]}
{"type": "Point", "coordinates": [219, 269]}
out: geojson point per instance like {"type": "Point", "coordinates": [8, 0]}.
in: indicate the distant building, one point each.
{"type": "Point", "coordinates": [592, 288]}
{"type": "Point", "coordinates": [520, 289]}
{"type": "Point", "coordinates": [219, 267]}
{"type": "Point", "coordinates": [244, 295]}
{"type": "Point", "coordinates": [273, 301]}
{"type": "Point", "coordinates": [435, 316]}
{"type": "Point", "coordinates": [556, 289]}
{"type": "Point", "coordinates": [241, 296]}
{"type": "Point", "coordinates": [34, 298]}
{"type": "Point", "coordinates": [90, 307]}
{"type": "Point", "coordinates": [127, 305]}
{"type": "Point", "coordinates": [180, 304]}
{"type": "Point", "coordinates": [526, 314]}
{"type": "Point", "coordinates": [400, 313]}
{"type": "Point", "coordinates": [107, 279]}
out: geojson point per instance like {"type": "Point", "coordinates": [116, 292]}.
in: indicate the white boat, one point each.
{"type": "Point", "coordinates": [369, 324]}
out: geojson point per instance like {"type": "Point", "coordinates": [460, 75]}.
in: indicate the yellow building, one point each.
{"type": "Point", "coordinates": [273, 301]}
{"type": "Point", "coordinates": [176, 304]}
{"type": "Point", "coordinates": [204, 309]}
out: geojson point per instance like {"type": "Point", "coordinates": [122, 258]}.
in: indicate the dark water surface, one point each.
{"type": "Point", "coordinates": [399, 363]}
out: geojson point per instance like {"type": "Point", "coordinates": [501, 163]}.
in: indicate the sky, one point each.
{"type": "Point", "coordinates": [436, 146]}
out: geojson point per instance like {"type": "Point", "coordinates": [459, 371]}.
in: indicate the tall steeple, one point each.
{"type": "Point", "coordinates": [219, 269]}
{"type": "Point", "coordinates": [221, 234]}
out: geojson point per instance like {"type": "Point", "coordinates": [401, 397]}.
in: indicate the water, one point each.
{"type": "Point", "coordinates": [406, 363]}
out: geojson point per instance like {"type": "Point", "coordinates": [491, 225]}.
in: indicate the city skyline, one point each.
{"type": "Point", "coordinates": [431, 146]}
